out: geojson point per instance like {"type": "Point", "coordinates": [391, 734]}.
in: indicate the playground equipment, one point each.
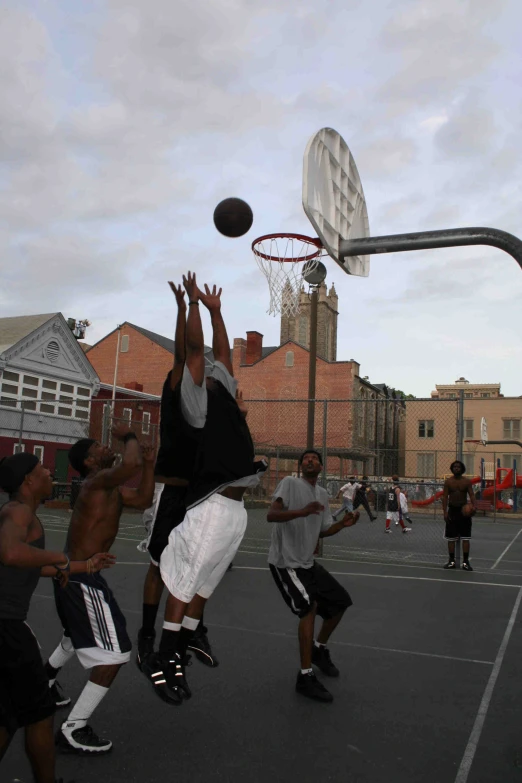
{"type": "Point", "coordinates": [490, 489]}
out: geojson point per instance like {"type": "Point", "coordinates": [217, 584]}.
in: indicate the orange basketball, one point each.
{"type": "Point", "coordinates": [468, 510]}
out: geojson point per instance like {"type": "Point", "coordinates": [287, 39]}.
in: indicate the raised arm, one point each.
{"type": "Point", "coordinates": [220, 341]}
{"type": "Point", "coordinates": [277, 512]}
{"type": "Point", "coordinates": [141, 497]}
{"type": "Point", "coordinates": [129, 465]}
{"type": "Point", "coordinates": [179, 337]}
{"type": "Point", "coordinates": [195, 347]}
{"type": "Point", "coordinates": [14, 551]}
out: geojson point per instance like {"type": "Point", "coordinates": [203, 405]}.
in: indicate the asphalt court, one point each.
{"type": "Point", "coordinates": [429, 687]}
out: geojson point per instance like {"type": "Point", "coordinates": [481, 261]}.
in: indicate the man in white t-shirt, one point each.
{"type": "Point", "coordinates": [348, 493]}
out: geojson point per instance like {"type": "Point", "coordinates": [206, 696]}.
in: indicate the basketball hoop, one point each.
{"type": "Point", "coordinates": [285, 259]}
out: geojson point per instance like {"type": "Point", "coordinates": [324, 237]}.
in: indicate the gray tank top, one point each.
{"type": "Point", "coordinates": [17, 586]}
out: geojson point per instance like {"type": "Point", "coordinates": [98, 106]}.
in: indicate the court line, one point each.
{"type": "Point", "coordinates": [396, 576]}
{"type": "Point", "coordinates": [497, 561]}
{"type": "Point", "coordinates": [283, 635]}
{"type": "Point", "coordinates": [474, 739]}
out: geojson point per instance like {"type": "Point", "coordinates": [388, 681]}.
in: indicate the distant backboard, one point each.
{"type": "Point", "coordinates": [333, 198]}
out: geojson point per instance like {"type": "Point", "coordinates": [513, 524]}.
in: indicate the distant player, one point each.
{"type": "Point", "coordinates": [393, 507]}
{"type": "Point", "coordinates": [458, 491]}
{"type": "Point", "coordinates": [301, 514]}
{"type": "Point", "coordinates": [361, 499]}
{"type": "Point", "coordinates": [348, 493]}
{"type": "Point", "coordinates": [404, 507]}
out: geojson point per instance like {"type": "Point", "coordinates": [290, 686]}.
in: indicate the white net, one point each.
{"type": "Point", "coordinates": [284, 260]}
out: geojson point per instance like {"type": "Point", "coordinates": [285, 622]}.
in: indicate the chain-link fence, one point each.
{"type": "Point", "coordinates": [417, 439]}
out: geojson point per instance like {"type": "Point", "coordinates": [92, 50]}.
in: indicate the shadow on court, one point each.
{"type": "Point", "coordinates": [418, 654]}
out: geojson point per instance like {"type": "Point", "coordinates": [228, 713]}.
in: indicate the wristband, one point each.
{"type": "Point", "coordinates": [63, 570]}
{"type": "Point", "coordinates": [129, 436]}
{"type": "Point", "coordinates": [194, 302]}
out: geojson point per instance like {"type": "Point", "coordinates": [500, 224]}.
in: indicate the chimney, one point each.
{"type": "Point", "coordinates": [134, 386]}
{"type": "Point", "coordinates": [238, 353]}
{"type": "Point", "coordinates": [254, 347]}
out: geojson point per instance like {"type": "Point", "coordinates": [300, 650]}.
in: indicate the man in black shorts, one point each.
{"type": "Point", "coordinates": [361, 498]}
{"type": "Point", "coordinates": [458, 491]}
{"type": "Point", "coordinates": [173, 470]}
{"type": "Point", "coordinates": [25, 698]}
{"type": "Point", "coordinates": [302, 514]}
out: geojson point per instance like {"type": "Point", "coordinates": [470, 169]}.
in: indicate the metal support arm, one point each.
{"type": "Point", "coordinates": [426, 240]}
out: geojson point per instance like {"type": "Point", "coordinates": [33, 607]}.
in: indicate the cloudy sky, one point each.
{"type": "Point", "coordinates": [122, 124]}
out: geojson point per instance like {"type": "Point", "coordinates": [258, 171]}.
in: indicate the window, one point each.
{"type": "Point", "coordinates": [11, 376]}
{"type": "Point", "coordinates": [82, 414]}
{"type": "Point", "coordinates": [507, 461]}
{"type": "Point", "coordinates": [485, 394]}
{"type": "Point", "coordinates": [48, 396]}
{"type": "Point", "coordinates": [511, 428]}
{"type": "Point", "coordinates": [30, 392]}
{"type": "Point", "coordinates": [30, 380]}
{"type": "Point", "coordinates": [49, 385]}
{"type": "Point", "coordinates": [29, 406]}
{"type": "Point", "coordinates": [45, 408]}
{"type": "Point", "coordinates": [426, 428]}
{"type": "Point", "coordinates": [52, 351]}
{"type": "Point", "coordinates": [9, 389]}
{"type": "Point", "coordinates": [82, 403]}
{"type": "Point", "coordinates": [468, 395]}
{"type": "Point", "coordinates": [469, 428]}
{"type": "Point", "coordinates": [67, 388]}
{"type": "Point", "coordinates": [84, 392]}
{"type": "Point", "coordinates": [124, 347]}
{"type": "Point", "coordinates": [64, 411]}
{"type": "Point", "coordinates": [289, 359]}
{"type": "Point", "coordinates": [18, 448]}
{"type": "Point", "coordinates": [127, 415]}
{"type": "Point", "coordinates": [469, 461]}
{"type": "Point", "coordinates": [8, 403]}
{"type": "Point", "coordinates": [425, 465]}
{"type": "Point", "coordinates": [38, 451]}
{"type": "Point", "coordinates": [452, 395]}
{"type": "Point", "coordinates": [145, 424]}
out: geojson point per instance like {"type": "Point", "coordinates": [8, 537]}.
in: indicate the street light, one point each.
{"type": "Point", "coordinates": [314, 277]}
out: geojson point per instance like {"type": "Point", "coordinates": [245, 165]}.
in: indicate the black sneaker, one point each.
{"type": "Point", "coordinates": [200, 646]}
{"type": "Point", "coordinates": [466, 566]}
{"type": "Point", "coordinates": [308, 685]}
{"type": "Point", "coordinates": [231, 566]}
{"type": "Point", "coordinates": [321, 659]}
{"type": "Point", "coordinates": [155, 670]}
{"type": "Point", "coordinates": [372, 519]}
{"type": "Point", "coordinates": [82, 741]}
{"type": "Point", "coordinates": [145, 647]}
{"type": "Point", "coordinates": [450, 564]}
{"type": "Point", "coordinates": [175, 676]}
{"type": "Point", "coordinates": [58, 696]}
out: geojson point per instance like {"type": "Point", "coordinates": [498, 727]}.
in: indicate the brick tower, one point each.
{"type": "Point", "coordinates": [297, 328]}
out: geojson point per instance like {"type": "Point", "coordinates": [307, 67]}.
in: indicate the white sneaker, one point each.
{"type": "Point", "coordinates": [406, 529]}
{"type": "Point", "coordinates": [396, 524]}
{"type": "Point", "coordinates": [387, 530]}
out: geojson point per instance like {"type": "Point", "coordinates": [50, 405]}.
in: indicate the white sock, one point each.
{"type": "Point", "coordinates": [63, 653]}
{"type": "Point", "coordinates": [87, 702]}
{"type": "Point", "coordinates": [171, 626]}
{"type": "Point", "coordinates": [190, 622]}
{"type": "Point", "coordinates": [306, 671]}
{"type": "Point", "coordinates": [319, 645]}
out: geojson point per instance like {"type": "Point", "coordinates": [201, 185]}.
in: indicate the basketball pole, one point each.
{"type": "Point", "coordinates": [312, 366]}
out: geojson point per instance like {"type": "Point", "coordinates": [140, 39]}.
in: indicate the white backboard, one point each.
{"type": "Point", "coordinates": [333, 198]}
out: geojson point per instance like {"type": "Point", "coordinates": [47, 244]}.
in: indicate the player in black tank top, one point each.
{"type": "Point", "coordinates": [25, 697]}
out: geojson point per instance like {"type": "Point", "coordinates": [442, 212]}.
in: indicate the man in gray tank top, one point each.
{"type": "Point", "coordinates": [25, 697]}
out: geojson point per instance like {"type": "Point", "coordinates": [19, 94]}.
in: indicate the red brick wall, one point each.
{"type": "Point", "coordinates": [50, 449]}
{"type": "Point", "coordinates": [138, 407]}
{"type": "Point", "coordinates": [145, 362]}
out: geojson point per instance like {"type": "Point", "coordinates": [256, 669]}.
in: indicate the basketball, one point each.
{"type": "Point", "coordinates": [233, 217]}
{"type": "Point", "coordinates": [468, 510]}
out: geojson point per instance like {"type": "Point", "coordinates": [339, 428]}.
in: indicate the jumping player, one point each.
{"type": "Point", "coordinates": [94, 627]}
{"type": "Point", "coordinates": [301, 510]}
{"type": "Point", "coordinates": [25, 698]}
{"type": "Point", "coordinates": [173, 471]}
{"type": "Point", "coordinates": [394, 508]}
{"type": "Point", "coordinates": [458, 491]}
{"type": "Point", "coordinates": [201, 548]}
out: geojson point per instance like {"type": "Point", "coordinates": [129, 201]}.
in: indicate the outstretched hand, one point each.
{"type": "Point", "coordinates": [102, 560]}
{"type": "Point", "coordinates": [191, 286]}
{"type": "Point", "coordinates": [148, 453]}
{"type": "Point", "coordinates": [211, 299]}
{"type": "Point", "coordinates": [350, 518]}
{"type": "Point", "coordinates": [179, 293]}
{"type": "Point", "coordinates": [120, 429]}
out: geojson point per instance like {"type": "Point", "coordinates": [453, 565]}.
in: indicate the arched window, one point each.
{"type": "Point", "coordinates": [289, 359]}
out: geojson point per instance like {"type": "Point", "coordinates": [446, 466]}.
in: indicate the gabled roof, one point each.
{"type": "Point", "coordinates": [164, 342]}
{"type": "Point", "coordinates": [14, 329]}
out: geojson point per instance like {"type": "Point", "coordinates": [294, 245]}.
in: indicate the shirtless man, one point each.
{"type": "Point", "coordinates": [94, 627]}
{"type": "Point", "coordinates": [25, 698]}
{"type": "Point", "coordinates": [457, 493]}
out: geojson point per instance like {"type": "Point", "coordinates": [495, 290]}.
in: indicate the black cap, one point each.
{"type": "Point", "coordinates": [13, 471]}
